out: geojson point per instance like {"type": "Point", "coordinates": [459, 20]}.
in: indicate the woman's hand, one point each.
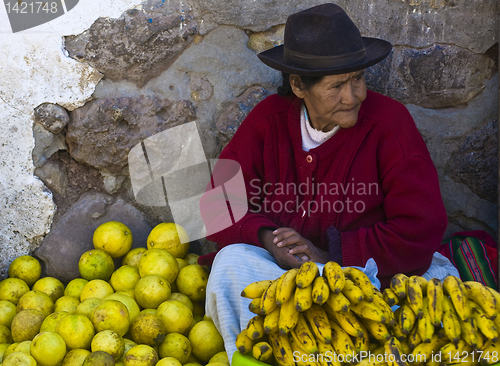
{"type": "Point", "coordinates": [289, 248]}
{"type": "Point", "coordinates": [298, 246]}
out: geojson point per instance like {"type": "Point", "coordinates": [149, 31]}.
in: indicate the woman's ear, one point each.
{"type": "Point", "coordinates": [297, 86]}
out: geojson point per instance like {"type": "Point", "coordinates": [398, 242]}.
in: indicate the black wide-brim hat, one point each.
{"type": "Point", "coordinates": [323, 40]}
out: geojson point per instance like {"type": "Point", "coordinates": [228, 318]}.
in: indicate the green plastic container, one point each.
{"type": "Point", "coordinates": [245, 360]}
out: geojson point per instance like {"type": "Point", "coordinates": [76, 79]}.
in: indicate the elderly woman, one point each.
{"type": "Point", "coordinates": [332, 171]}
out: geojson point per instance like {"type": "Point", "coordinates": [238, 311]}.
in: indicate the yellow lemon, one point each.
{"type": "Point", "coordinates": [176, 345]}
{"type": "Point", "coordinates": [75, 357]}
{"type": "Point", "coordinates": [48, 348]}
{"type": "Point", "coordinates": [148, 329]}
{"type": "Point", "coordinates": [110, 342]}
{"type": "Point", "coordinates": [129, 293]}
{"type": "Point", "coordinates": [11, 289]}
{"type": "Point", "coordinates": [176, 316]}
{"type": "Point", "coordinates": [23, 347]}
{"type": "Point", "coordinates": [220, 357]}
{"type": "Point", "coordinates": [36, 300]}
{"type": "Point", "coordinates": [159, 262]}
{"type": "Point", "coordinates": [67, 303]}
{"type": "Point", "coordinates": [198, 336]}
{"type": "Point", "coordinates": [125, 278]}
{"type": "Point", "coordinates": [133, 257]}
{"type": "Point", "coordinates": [192, 281]}
{"type": "Point", "coordinates": [151, 291]}
{"type": "Point", "coordinates": [76, 330]}
{"type": "Point", "coordinates": [112, 315]}
{"type": "Point", "coordinates": [141, 355]}
{"type": "Point", "coordinates": [96, 264]}
{"type": "Point", "coordinates": [7, 312]}
{"type": "Point", "coordinates": [87, 306]}
{"type": "Point", "coordinates": [96, 288]}
{"type": "Point", "coordinates": [99, 358]}
{"type": "Point", "coordinates": [182, 263]}
{"type": "Point", "coordinates": [171, 237]}
{"type": "Point", "coordinates": [5, 334]}
{"type": "Point", "coordinates": [182, 298]}
{"type": "Point", "coordinates": [114, 238]}
{"type": "Point", "coordinates": [26, 324]}
{"type": "Point", "coordinates": [128, 345]}
{"type": "Point", "coordinates": [19, 359]}
{"type": "Point", "coordinates": [191, 258]}
{"type": "Point", "coordinates": [50, 286]}
{"type": "Point", "coordinates": [75, 287]}
{"type": "Point", "coordinates": [3, 347]}
{"type": "Point", "coordinates": [132, 307]}
{"type": "Point", "coordinates": [49, 324]}
{"type": "Point", "coordinates": [168, 361]}
{"type": "Point", "coordinates": [25, 268]}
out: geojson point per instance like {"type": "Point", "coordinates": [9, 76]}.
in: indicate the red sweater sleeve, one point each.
{"type": "Point", "coordinates": [415, 224]}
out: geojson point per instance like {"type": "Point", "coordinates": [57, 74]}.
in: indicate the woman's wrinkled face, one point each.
{"type": "Point", "coordinates": [335, 100]}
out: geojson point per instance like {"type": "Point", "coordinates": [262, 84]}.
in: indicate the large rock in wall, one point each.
{"type": "Point", "coordinates": [127, 71]}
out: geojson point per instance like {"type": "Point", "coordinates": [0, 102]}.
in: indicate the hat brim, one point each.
{"type": "Point", "coordinates": [376, 50]}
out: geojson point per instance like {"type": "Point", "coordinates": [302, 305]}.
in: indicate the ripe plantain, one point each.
{"type": "Point", "coordinates": [390, 297]}
{"type": "Point", "coordinates": [435, 295]}
{"type": "Point", "coordinates": [306, 275]}
{"type": "Point", "coordinates": [263, 352]}
{"type": "Point", "coordinates": [332, 271]}
{"type": "Point", "coordinates": [255, 289]}
{"type": "Point", "coordinates": [303, 298]}
{"type": "Point", "coordinates": [286, 286]}
{"type": "Point", "coordinates": [361, 280]}
{"type": "Point", "coordinates": [268, 300]}
{"type": "Point", "coordinates": [271, 321]}
{"type": "Point", "coordinates": [352, 292]}
{"type": "Point", "coordinates": [398, 285]}
{"type": "Point", "coordinates": [282, 350]}
{"type": "Point", "coordinates": [304, 336]}
{"type": "Point", "coordinates": [255, 327]}
{"type": "Point", "coordinates": [414, 295]}
{"type": "Point", "coordinates": [483, 296]}
{"type": "Point", "coordinates": [455, 289]}
{"type": "Point", "coordinates": [288, 317]}
{"type": "Point", "coordinates": [243, 342]}
{"type": "Point", "coordinates": [320, 290]}
{"type": "Point", "coordinates": [318, 321]}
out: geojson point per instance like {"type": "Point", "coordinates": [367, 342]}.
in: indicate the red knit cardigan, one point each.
{"type": "Point", "coordinates": [375, 182]}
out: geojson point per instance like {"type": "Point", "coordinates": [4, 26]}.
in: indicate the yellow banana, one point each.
{"type": "Point", "coordinates": [352, 292]}
{"type": "Point", "coordinates": [378, 330]}
{"type": "Point", "coordinates": [362, 344]}
{"type": "Point", "coordinates": [300, 357]}
{"type": "Point", "coordinates": [469, 332]}
{"type": "Point", "coordinates": [423, 283]}
{"type": "Point", "coordinates": [337, 302]}
{"type": "Point", "coordinates": [414, 295]}
{"type": "Point", "coordinates": [374, 358]}
{"type": "Point", "coordinates": [243, 342]}
{"type": "Point", "coordinates": [304, 336]}
{"type": "Point", "coordinates": [281, 349]}
{"type": "Point", "coordinates": [255, 289]}
{"type": "Point", "coordinates": [424, 324]}
{"type": "Point", "coordinates": [263, 352]}
{"type": "Point", "coordinates": [451, 350]}
{"type": "Point", "coordinates": [268, 299]}
{"type": "Point", "coordinates": [254, 305]}
{"type": "Point", "coordinates": [406, 318]}
{"type": "Point", "coordinates": [396, 329]}
{"type": "Point", "coordinates": [485, 325]}
{"type": "Point", "coordinates": [327, 355]}
{"type": "Point", "coordinates": [255, 327]}
{"type": "Point", "coordinates": [435, 295]}
{"type": "Point", "coordinates": [490, 354]}
{"type": "Point", "coordinates": [303, 298]}
{"type": "Point", "coordinates": [451, 322]}
{"type": "Point", "coordinates": [306, 275]}
{"type": "Point", "coordinates": [368, 310]}
{"type": "Point", "coordinates": [455, 289]}
{"type": "Point", "coordinates": [342, 343]}
{"type": "Point", "coordinates": [390, 297]}
{"type": "Point", "coordinates": [271, 321]}
{"type": "Point", "coordinates": [414, 338]}
{"type": "Point", "coordinates": [361, 280]}
{"type": "Point", "coordinates": [320, 290]}
{"type": "Point", "coordinates": [378, 300]}
{"type": "Point", "coordinates": [394, 353]}
{"type": "Point", "coordinates": [332, 271]}
{"type": "Point", "coordinates": [318, 321]}
{"type": "Point", "coordinates": [398, 285]}
{"type": "Point", "coordinates": [423, 352]}
{"type": "Point", "coordinates": [483, 296]}
{"type": "Point", "coordinates": [286, 286]}
{"type": "Point", "coordinates": [288, 317]}
{"type": "Point", "coordinates": [350, 323]}
{"type": "Point", "coordinates": [405, 347]}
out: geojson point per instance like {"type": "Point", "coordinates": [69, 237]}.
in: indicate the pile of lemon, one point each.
{"type": "Point", "coordinates": [149, 311]}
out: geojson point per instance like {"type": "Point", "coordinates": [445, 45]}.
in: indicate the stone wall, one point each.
{"type": "Point", "coordinates": [79, 92]}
